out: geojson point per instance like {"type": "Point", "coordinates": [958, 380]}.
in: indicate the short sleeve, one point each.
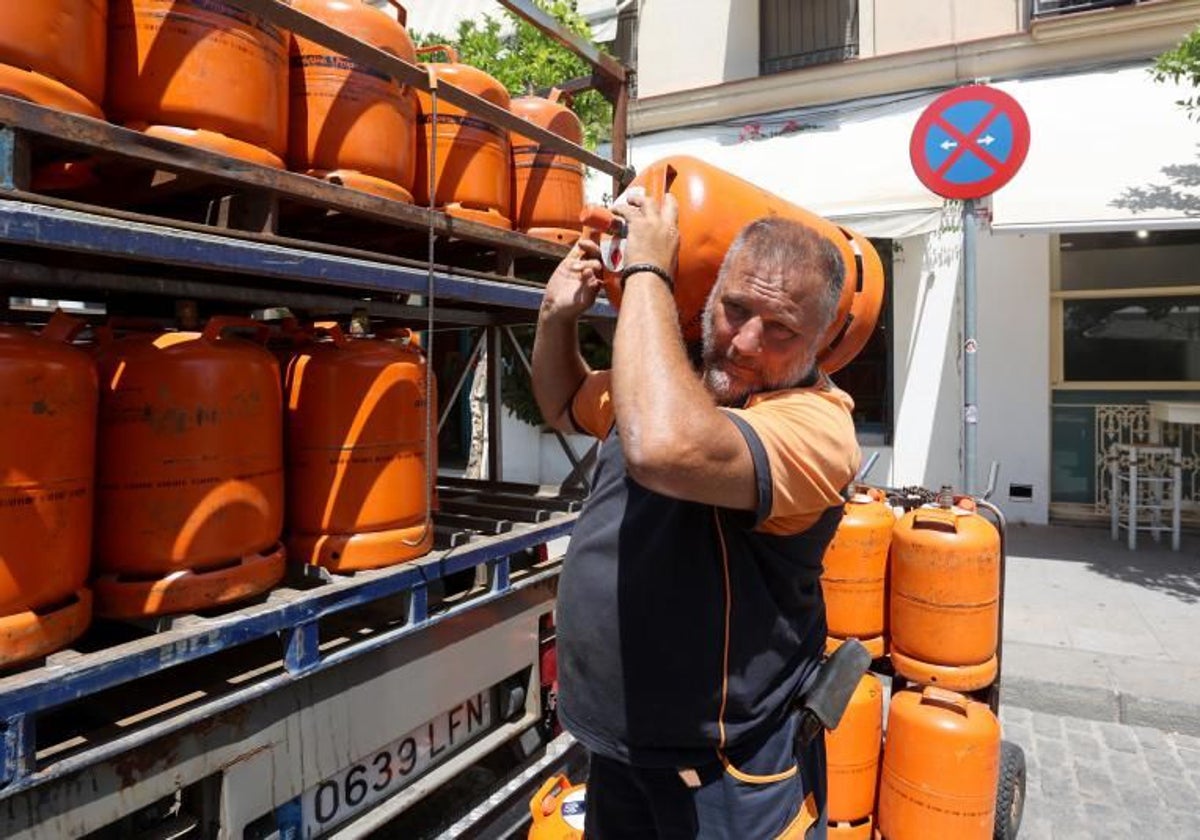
{"type": "Point", "coordinates": [807, 438]}
{"type": "Point", "coordinates": [592, 406]}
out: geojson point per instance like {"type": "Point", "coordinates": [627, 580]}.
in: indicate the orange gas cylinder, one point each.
{"type": "Point", "coordinates": [189, 472]}
{"type": "Point", "coordinates": [357, 470]}
{"type": "Point", "coordinates": [713, 207]}
{"type": "Point", "coordinates": [347, 123]}
{"type": "Point", "coordinates": [945, 596]}
{"type": "Point", "coordinates": [52, 53]}
{"type": "Point", "coordinates": [941, 763]}
{"type": "Point", "coordinates": [47, 460]}
{"type": "Point", "coordinates": [855, 567]}
{"type": "Point", "coordinates": [558, 810]}
{"type": "Point", "coordinates": [548, 195]}
{"type": "Point", "coordinates": [852, 756]}
{"type": "Point", "coordinates": [473, 170]}
{"type": "Point", "coordinates": [202, 72]}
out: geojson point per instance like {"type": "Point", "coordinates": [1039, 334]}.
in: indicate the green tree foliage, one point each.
{"type": "Point", "coordinates": [1182, 66]}
{"type": "Point", "coordinates": [525, 59]}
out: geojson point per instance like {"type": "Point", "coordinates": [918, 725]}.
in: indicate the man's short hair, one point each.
{"type": "Point", "coordinates": [785, 246]}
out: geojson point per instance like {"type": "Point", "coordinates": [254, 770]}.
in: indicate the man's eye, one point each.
{"type": "Point", "coordinates": [781, 331]}
{"type": "Point", "coordinates": [735, 310]}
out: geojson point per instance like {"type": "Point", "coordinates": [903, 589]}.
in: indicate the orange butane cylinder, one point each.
{"type": "Point", "coordinates": [548, 194]}
{"type": "Point", "coordinates": [356, 442]}
{"type": "Point", "coordinates": [348, 123]}
{"type": "Point", "coordinates": [47, 460]}
{"type": "Point", "coordinates": [941, 764]}
{"type": "Point", "coordinates": [473, 170]}
{"type": "Point", "coordinates": [713, 207]}
{"type": "Point", "coordinates": [945, 597]}
{"type": "Point", "coordinates": [852, 754]}
{"type": "Point", "coordinates": [558, 810]}
{"type": "Point", "coordinates": [855, 567]}
{"type": "Point", "coordinates": [52, 53]}
{"type": "Point", "coordinates": [189, 472]}
{"type": "Point", "coordinates": [202, 72]}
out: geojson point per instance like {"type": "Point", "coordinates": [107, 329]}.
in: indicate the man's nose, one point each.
{"type": "Point", "coordinates": [748, 339]}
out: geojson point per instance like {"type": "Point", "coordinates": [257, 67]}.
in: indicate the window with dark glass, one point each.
{"type": "Point", "coordinates": [802, 33]}
{"type": "Point", "coordinates": [868, 379]}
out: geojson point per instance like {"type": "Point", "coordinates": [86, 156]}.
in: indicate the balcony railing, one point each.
{"type": "Point", "coordinates": [1051, 8]}
{"type": "Point", "coordinates": [802, 33]}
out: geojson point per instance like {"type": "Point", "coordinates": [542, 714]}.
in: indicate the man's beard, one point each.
{"type": "Point", "coordinates": [728, 391]}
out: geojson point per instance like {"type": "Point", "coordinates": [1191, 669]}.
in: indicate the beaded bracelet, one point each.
{"type": "Point", "coordinates": [650, 267]}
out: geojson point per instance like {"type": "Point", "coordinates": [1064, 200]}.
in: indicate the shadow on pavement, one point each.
{"type": "Point", "coordinates": [1153, 565]}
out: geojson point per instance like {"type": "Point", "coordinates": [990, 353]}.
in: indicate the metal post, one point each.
{"type": "Point", "coordinates": [970, 349]}
{"type": "Point", "coordinates": [495, 403]}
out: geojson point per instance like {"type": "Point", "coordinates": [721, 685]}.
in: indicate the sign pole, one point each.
{"type": "Point", "coordinates": [968, 143]}
{"type": "Point", "coordinates": [970, 348]}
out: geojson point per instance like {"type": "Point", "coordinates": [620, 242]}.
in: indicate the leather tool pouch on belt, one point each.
{"type": "Point", "coordinates": [822, 705]}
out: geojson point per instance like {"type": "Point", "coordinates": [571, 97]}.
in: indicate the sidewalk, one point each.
{"type": "Point", "coordinates": [1094, 630]}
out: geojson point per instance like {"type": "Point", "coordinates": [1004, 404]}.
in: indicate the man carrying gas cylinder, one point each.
{"type": "Point", "coordinates": [690, 616]}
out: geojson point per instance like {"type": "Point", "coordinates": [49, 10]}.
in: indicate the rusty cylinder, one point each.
{"type": "Point", "coordinates": [202, 72]}
{"type": "Point", "coordinates": [941, 765]}
{"type": "Point", "coordinates": [854, 570]}
{"type": "Point", "coordinates": [48, 397]}
{"type": "Point", "coordinates": [350, 124]}
{"type": "Point", "coordinates": [356, 452]}
{"type": "Point", "coordinates": [190, 470]}
{"type": "Point", "coordinates": [945, 597]}
{"type": "Point", "coordinates": [52, 53]}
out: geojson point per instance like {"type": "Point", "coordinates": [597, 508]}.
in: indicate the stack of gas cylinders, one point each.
{"type": "Point", "coordinates": [922, 593]}
{"type": "Point", "coordinates": [151, 471]}
{"type": "Point", "coordinates": [209, 74]}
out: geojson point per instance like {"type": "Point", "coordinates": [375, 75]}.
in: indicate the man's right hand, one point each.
{"type": "Point", "coordinates": [572, 288]}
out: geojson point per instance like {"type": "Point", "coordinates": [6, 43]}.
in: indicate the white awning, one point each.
{"type": "Point", "coordinates": [849, 164]}
{"type": "Point", "coordinates": [1109, 150]}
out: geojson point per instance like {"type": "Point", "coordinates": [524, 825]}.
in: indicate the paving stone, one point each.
{"type": "Point", "coordinates": [1164, 762]}
{"type": "Point", "coordinates": [1073, 724]}
{"type": "Point", "coordinates": [1095, 783]}
{"type": "Point", "coordinates": [1050, 753]}
{"type": "Point", "coordinates": [1060, 782]}
{"type": "Point", "coordinates": [1084, 744]}
{"type": "Point", "coordinates": [1106, 780]}
{"type": "Point", "coordinates": [1179, 795]}
{"type": "Point", "coordinates": [1117, 737]}
{"type": "Point", "coordinates": [1047, 726]}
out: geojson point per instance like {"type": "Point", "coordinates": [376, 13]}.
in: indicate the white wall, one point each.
{"type": "Point", "coordinates": [1014, 368]}
{"type": "Point", "coordinates": [685, 44]}
{"type": "Point", "coordinates": [1013, 385]}
{"type": "Point", "coordinates": [902, 25]}
{"type": "Point", "coordinates": [533, 456]}
{"type": "Point", "coordinates": [928, 384]}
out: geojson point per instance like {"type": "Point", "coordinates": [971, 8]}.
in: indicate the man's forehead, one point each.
{"type": "Point", "coordinates": [747, 271]}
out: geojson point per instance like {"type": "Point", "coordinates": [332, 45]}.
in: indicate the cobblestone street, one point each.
{"type": "Point", "coordinates": [1089, 779]}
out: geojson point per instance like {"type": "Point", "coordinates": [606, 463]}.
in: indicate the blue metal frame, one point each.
{"type": "Point", "coordinates": [22, 223]}
{"type": "Point", "coordinates": [23, 695]}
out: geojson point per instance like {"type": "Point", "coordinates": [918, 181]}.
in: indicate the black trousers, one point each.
{"type": "Point", "coordinates": [733, 800]}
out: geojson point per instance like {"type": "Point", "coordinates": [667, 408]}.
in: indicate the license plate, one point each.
{"type": "Point", "coordinates": [394, 765]}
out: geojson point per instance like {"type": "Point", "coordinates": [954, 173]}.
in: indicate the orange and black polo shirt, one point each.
{"type": "Point", "coordinates": [683, 628]}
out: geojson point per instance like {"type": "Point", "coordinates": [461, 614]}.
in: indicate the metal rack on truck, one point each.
{"type": "Point", "coordinates": [332, 703]}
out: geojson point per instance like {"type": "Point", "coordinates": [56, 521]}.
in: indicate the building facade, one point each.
{"type": "Point", "coordinates": [1088, 261]}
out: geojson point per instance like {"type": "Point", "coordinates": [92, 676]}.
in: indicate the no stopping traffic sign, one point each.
{"type": "Point", "coordinates": [969, 142]}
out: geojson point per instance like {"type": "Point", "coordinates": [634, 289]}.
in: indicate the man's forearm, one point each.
{"type": "Point", "coordinates": [558, 367]}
